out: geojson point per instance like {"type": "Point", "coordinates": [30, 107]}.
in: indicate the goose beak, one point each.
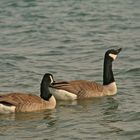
{"type": "Point", "coordinates": [118, 51]}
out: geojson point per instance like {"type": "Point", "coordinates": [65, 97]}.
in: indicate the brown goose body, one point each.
{"type": "Point", "coordinates": [81, 89]}
{"type": "Point", "coordinates": [24, 102]}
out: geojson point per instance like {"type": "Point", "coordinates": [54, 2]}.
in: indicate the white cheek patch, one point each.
{"type": "Point", "coordinates": [113, 56]}
{"type": "Point", "coordinates": [51, 79]}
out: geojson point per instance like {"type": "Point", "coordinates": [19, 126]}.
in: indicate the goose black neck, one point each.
{"type": "Point", "coordinates": [108, 76]}
{"type": "Point", "coordinates": [44, 90]}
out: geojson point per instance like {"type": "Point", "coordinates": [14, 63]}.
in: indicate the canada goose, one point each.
{"type": "Point", "coordinates": [22, 102]}
{"type": "Point", "coordinates": [80, 89]}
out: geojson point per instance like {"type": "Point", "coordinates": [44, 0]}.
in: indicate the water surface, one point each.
{"type": "Point", "coordinates": [69, 39]}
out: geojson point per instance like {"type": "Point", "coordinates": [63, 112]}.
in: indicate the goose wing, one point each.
{"type": "Point", "coordinates": [23, 102]}
{"type": "Point", "coordinates": [80, 88]}
{"type": "Point", "coordinates": [19, 98]}
{"type": "Point", "coordinates": [9, 99]}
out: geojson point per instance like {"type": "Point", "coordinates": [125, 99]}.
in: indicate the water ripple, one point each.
{"type": "Point", "coordinates": [68, 39]}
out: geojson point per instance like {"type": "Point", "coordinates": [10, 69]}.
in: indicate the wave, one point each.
{"type": "Point", "coordinates": [134, 71]}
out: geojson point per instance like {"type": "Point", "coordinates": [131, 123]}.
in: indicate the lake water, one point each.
{"type": "Point", "coordinates": [69, 39]}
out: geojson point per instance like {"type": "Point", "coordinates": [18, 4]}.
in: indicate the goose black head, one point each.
{"type": "Point", "coordinates": [112, 54]}
{"type": "Point", "coordinates": [48, 78]}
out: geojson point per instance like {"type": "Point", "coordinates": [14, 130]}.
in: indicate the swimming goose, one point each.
{"type": "Point", "coordinates": [80, 89]}
{"type": "Point", "coordinates": [22, 102]}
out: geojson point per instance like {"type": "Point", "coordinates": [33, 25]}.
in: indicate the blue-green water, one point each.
{"type": "Point", "coordinates": [68, 39]}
